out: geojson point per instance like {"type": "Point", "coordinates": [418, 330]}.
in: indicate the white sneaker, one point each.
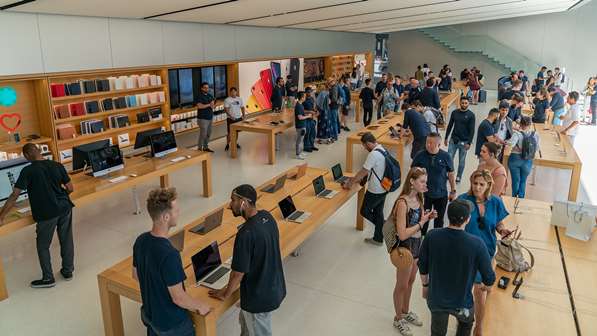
{"type": "Point", "coordinates": [413, 319]}
{"type": "Point", "coordinates": [301, 156]}
{"type": "Point", "coordinates": [402, 326]}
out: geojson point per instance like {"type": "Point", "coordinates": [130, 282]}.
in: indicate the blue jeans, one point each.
{"type": "Point", "coordinates": [334, 121]}
{"type": "Point", "coordinates": [452, 148]}
{"type": "Point", "coordinates": [311, 132]}
{"type": "Point", "coordinates": [519, 170]}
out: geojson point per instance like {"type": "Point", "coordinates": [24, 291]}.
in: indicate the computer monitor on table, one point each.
{"type": "Point", "coordinates": [80, 153]}
{"type": "Point", "coordinates": [9, 174]}
{"type": "Point", "coordinates": [142, 138]}
{"type": "Point", "coordinates": [163, 144]}
{"type": "Point", "coordinates": [106, 160]}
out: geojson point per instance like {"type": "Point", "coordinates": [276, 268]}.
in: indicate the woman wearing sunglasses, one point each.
{"type": "Point", "coordinates": [402, 234]}
{"type": "Point", "coordinates": [486, 219]}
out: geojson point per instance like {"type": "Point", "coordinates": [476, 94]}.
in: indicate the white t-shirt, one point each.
{"type": "Point", "coordinates": [431, 120]}
{"type": "Point", "coordinates": [234, 106]}
{"type": "Point", "coordinates": [573, 114]}
{"type": "Point", "coordinates": [375, 162]}
{"type": "Point", "coordinates": [503, 129]}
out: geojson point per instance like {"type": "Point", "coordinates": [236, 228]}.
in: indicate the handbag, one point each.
{"type": "Point", "coordinates": [510, 256]}
{"type": "Point", "coordinates": [399, 256]}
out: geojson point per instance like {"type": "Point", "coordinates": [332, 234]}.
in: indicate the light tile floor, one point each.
{"type": "Point", "coordinates": [337, 286]}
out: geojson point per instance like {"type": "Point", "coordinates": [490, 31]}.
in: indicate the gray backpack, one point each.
{"type": "Point", "coordinates": [510, 256]}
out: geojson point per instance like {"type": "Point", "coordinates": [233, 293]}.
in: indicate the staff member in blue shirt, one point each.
{"type": "Point", "coordinates": [205, 115]}
{"type": "Point", "coordinates": [158, 269]}
{"type": "Point", "coordinates": [415, 123]}
{"type": "Point", "coordinates": [486, 219]}
{"type": "Point", "coordinates": [556, 105]}
{"type": "Point", "coordinates": [277, 97]}
{"type": "Point", "coordinates": [440, 171]}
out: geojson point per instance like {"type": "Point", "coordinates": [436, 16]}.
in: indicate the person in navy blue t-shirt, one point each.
{"type": "Point", "coordinates": [486, 132]}
{"type": "Point", "coordinates": [158, 268]}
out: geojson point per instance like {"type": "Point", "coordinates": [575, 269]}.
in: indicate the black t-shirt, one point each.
{"type": "Point", "coordinates": [417, 124]}
{"type": "Point", "coordinates": [379, 87]}
{"type": "Point", "coordinates": [367, 95]}
{"type": "Point", "coordinates": [290, 89]}
{"type": "Point", "coordinates": [205, 113]}
{"type": "Point", "coordinates": [44, 180]}
{"type": "Point", "coordinates": [276, 98]}
{"type": "Point", "coordinates": [257, 255]}
{"type": "Point", "coordinates": [158, 267]}
{"type": "Point", "coordinates": [299, 110]}
{"type": "Point", "coordinates": [438, 166]}
{"type": "Point", "coordinates": [485, 129]}
{"type": "Point", "coordinates": [539, 112]}
{"type": "Point", "coordinates": [309, 104]}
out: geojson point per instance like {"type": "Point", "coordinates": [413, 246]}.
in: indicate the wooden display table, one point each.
{"type": "Point", "coordinates": [117, 281]}
{"type": "Point", "coordinates": [556, 154]}
{"type": "Point", "coordinates": [446, 100]}
{"type": "Point", "coordinates": [545, 307]}
{"type": "Point", "coordinates": [90, 189]}
{"type": "Point", "coordinates": [354, 98]}
{"type": "Point", "coordinates": [379, 129]}
{"type": "Point", "coordinates": [263, 125]}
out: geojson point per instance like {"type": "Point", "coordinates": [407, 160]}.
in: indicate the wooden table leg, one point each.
{"type": "Point", "coordinates": [360, 197]}
{"type": "Point", "coordinates": [205, 325]}
{"type": "Point", "coordinates": [3, 290]}
{"type": "Point", "coordinates": [348, 156]}
{"type": "Point", "coordinates": [111, 311]}
{"type": "Point", "coordinates": [233, 141]}
{"type": "Point", "coordinates": [206, 167]}
{"type": "Point", "coordinates": [574, 182]}
{"type": "Point", "coordinates": [357, 111]}
{"type": "Point", "coordinates": [164, 181]}
{"type": "Point", "coordinates": [272, 147]}
{"type": "Point", "coordinates": [400, 158]}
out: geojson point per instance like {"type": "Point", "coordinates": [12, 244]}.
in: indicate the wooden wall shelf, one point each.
{"type": "Point", "coordinates": [111, 131]}
{"type": "Point", "coordinates": [115, 93]}
{"type": "Point", "coordinates": [107, 113]}
{"type": "Point", "coordinates": [11, 147]}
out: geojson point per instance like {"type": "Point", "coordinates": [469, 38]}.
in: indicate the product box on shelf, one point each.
{"type": "Point", "coordinates": [65, 131]}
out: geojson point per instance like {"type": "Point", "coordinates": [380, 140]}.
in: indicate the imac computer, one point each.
{"type": "Point", "coordinates": [9, 174]}
{"type": "Point", "coordinates": [106, 160]}
{"type": "Point", "coordinates": [142, 140]}
{"type": "Point", "coordinates": [163, 144]}
{"type": "Point", "coordinates": [80, 153]}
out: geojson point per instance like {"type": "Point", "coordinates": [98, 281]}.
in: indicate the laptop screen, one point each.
{"type": "Point", "coordinates": [280, 182]}
{"type": "Point", "coordinates": [318, 185]}
{"type": "Point", "coordinates": [287, 206]}
{"type": "Point", "coordinates": [337, 171]}
{"type": "Point", "coordinates": [206, 260]}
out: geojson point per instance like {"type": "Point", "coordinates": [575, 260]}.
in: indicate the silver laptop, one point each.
{"type": "Point", "coordinates": [208, 267]}
{"type": "Point", "coordinates": [320, 190]}
{"type": "Point", "coordinates": [211, 222]}
{"type": "Point", "coordinates": [290, 213]}
{"type": "Point", "coordinates": [338, 175]}
{"type": "Point", "coordinates": [272, 188]}
{"type": "Point", "coordinates": [177, 240]}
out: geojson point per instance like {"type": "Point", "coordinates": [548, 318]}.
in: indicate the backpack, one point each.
{"type": "Point", "coordinates": [440, 122]}
{"type": "Point", "coordinates": [510, 257]}
{"type": "Point", "coordinates": [529, 146]}
{"type": "Point", "coordinates": [392, 174]}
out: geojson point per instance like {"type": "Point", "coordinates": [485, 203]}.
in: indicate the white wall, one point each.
{"type": "Point", "coordinates": [567, 39]}
{"type": "Point", "coordinates": [407, 49]}
{"type": "Point", "coordinates": [39, 43]}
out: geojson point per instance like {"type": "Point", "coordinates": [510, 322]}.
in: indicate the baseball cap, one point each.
{"type": "Point", "coordinates": [246, 191]}
{"type": "Point", "coordinates": [459, 210]}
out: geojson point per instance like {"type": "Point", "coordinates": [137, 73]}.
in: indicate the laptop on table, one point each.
{"type": "Point", "coordinates": [211, 222]}
{"type": "Point", "coordinates": [302, 170]}
{"type": "Point", "coordinates": [177, 240]}
{"type": "Point", "coordinates": [272, 188]}
{"type": "Point", "coordinates": [320, 190]}
{"type": "Point", "coordinates": [208, 268]}
{"type": "Point", "coordinates": [338, 175]}
{"type": "Point", "coordinates": [290, 213]}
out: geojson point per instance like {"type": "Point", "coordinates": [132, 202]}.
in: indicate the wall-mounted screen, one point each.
{"type": "Point", "coordinates": [220, 85]}
{"type": "Point", "coordinates": [185, 87]}
{"type": "Point", "coordinates": [207, 76]}
{"type": "Point", "coordinates": [314, 69]}
{"type": "Point", "coordinates": [173, 88]}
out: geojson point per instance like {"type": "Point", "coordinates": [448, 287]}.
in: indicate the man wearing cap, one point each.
{"type": "Point", "coordinates": [256, 265]}
{"type": "Point", "coordinates": [449, 292]}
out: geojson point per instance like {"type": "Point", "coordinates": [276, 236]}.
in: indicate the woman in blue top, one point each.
{"type": "Point", "coordinates": [486, 219]}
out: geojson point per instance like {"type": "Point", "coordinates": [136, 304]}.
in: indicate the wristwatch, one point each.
{"type": "Point", "coordinates": [452, 191]}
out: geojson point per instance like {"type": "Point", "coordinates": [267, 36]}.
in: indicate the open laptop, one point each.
{"type": "Point", "coordinates": [211, 222]}
{"type": "Point", "coordinates": [320, 190]}
{"type": "Point", "coordinates": [272, 188]}
{"type": "Point", "coordinates": [209, 271]}
{"type": "Point", "coordinates": [338, 175]}
{"type": "Point", "coordinates": [177, 240]}
{"type": "Point", "coordinates": [301, 171]}
{"type": "Point", "coordinates": [290, 213]}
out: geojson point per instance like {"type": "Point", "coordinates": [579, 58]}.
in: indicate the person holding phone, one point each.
{"type": "Point", "coordinates": [408, 216]}
{"type": "Point", "coordinates": [486, 219]}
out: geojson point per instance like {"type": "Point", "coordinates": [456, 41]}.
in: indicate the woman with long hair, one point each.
{"type": "Point", "coordinates": [489, 155]}
{"type": "Point", "coordinates": [402, 234]}
{"type": "Point", "coordinates": [474, 86]}
{"type": "Point", "coordinates": [486, 219]}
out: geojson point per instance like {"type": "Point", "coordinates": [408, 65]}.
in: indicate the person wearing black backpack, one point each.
{"type": "Point", "coordinates": [524, 143]}
{"type": "Point", "coordinates": [374, 170]}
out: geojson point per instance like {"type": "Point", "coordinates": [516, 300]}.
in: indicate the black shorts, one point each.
{"type": "Point", "coordinates": [230, 122]}
{"type": "Point", "coordinates": [345, 109]}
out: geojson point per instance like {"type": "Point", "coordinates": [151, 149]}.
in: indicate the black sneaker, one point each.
{"type": "Point", "coordinates": [43, 283]}
{"type": "Point", "coordinates": [308, 150]}
{"type": "Point", "coordinates": [208, 150]}
{"type": "Point", "coordinates": [227, 147]}
{"type": "Point", "coordinates": [237, 146]}
{"type": "Point", "coordinates": [346, 129]}
{"type": "Point", "coordinates": [68, 276]}
{"type": "Point", "coordinates": [315, 149]}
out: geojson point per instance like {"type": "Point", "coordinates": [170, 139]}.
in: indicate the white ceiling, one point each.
{"type": "Point", "coordinates": [372, 16]}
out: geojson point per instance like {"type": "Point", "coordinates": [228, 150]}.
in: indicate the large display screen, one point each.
{"type": "Point", "coordinates": [314, 69]}
{"type": "Point", "coordinates": [185, 86]}
{"type": "Point", "coordinates": [9, 174]}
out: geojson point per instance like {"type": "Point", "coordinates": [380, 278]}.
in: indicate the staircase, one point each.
{"type": "Point", "coordinates": [485, 45]}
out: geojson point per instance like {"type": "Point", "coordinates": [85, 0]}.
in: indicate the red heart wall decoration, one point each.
{"type": "Point", "coordinates": [10, 122]}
